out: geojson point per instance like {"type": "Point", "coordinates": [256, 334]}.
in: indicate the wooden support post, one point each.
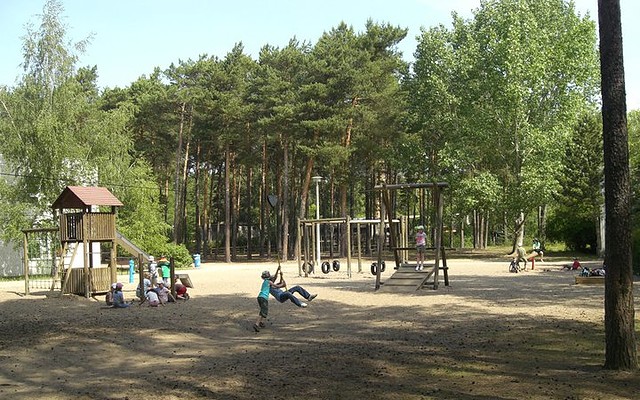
{"type": "Point", "coordinates": [380, 236]}
{"type": "Point", "coordinates": [113, 263]}
{"type": "Point", "coordinates": [392, 234]}
{"type": "Point", "coordinates": [85, 250]}
{"type": "Point", "coordinates": [172, 276]}
{"type": "Point", "coordinates": [445, 268]}
{"type": "Point", "coordinates": [438, 239]}
{"type": "Point", "coordinates": [307, 257]}
{"type": "Point", "coordinates": [141, 272]}
{"type": "Point", "coordinates": [25, 248]}
{"type": "Point", "coordinates": [299, 245]}
{"type": "Point", "coordinates": [358, 235]}
{"type": "Point", "coordinates": [348, 226]}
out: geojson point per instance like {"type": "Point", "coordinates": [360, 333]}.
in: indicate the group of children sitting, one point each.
{"type": "Point", "coordinates": [602, 271]}
{"type": "Point", "coordinates": [152, 294]}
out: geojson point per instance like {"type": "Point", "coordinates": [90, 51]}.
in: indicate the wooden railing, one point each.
{"type": "Point", "coordinates": [96, 226]}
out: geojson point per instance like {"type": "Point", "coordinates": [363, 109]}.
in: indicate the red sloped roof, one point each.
{"type": "Point", "coordinates": [81, 197]}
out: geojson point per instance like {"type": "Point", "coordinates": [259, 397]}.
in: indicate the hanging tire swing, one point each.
{"type": "Point", "coordinates": [374, 267]}
{"type": "Point", "coordinates": [336, 265]}
{"type": "Point", "coordinates": [307, 267]}
{"type": "Point", "coordinates": [326, 267]}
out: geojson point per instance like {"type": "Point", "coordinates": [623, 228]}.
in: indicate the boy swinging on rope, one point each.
{"type": "Point", "coordinates": [269, 286]}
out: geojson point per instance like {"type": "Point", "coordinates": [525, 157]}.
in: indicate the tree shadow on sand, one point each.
{"type": "Point", "coordinates": [457, 343]}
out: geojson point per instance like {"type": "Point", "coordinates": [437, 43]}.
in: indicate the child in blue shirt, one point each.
{"type": "Point", "coordinates": [263, 300]}
{"type": "Point", "coordinates": [118, 297]}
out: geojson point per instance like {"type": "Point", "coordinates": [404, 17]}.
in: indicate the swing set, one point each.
{"type": "Point", "coordinates": [406, 275]}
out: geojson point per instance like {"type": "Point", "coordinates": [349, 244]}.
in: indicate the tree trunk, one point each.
{"type": "Point", "coordinates": [620, 352]}
{"type": "Point", "coordinates": [520, 229]}
{"type": "Point", "coordinates": [475, 229]}
{"type": "Point", "coordinates": [486, 230]}
{"type": "Point", "coordinates": [196, 200]}
{"type": "Point", "coordinates": [264, 213]}
{"type": "Point", "coordinates": [343, 186]}
{"type": "Point", "coordinates": [165, 198]}
{"type": "Point", "coordinates": [302, 213]}
{"type": "Point", "coordinates": [542, 223]}
{"type": "Point", "coordinates": [206, 201]}
{"type": "Point", "coordinates": [177, 220]}
{"type": "Point", "coordinates": [235, 206]}
{"type": "Point", "coordinates": [279, 211]}
{"type": "Point", "coordinates": [227, 205]}
{"type": "Point", "coordinates": [248, 213]}
{"type": "Point", "coordinates": [284, 242]}
{"type": "Point", "coordinates": [183, 202]}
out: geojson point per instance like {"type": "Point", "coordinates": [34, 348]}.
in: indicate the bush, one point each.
{"type": "Point", "coordinates": [181, 256]}
{"type": "Point", "coordinates": [578, 234]}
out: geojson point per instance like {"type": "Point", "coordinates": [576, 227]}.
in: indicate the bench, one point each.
{"type": "Point", "coordinates": [589, 280]}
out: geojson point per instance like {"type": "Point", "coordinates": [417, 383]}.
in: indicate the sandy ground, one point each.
{"type": "Point", "coordinates": [489, 335]}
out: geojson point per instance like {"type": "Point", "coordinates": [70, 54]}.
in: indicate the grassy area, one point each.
{"type": "Point", "coordinates": [554, 252]}
{"type": "Point", "coordinates": [21, 277]}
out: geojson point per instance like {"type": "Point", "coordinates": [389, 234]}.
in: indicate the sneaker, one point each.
{"type": "Point", "coordinates": [256, 328]}
{"type": "Point", "coordinates": [311, 297]}
{"type": "Point", "coordinates": [303, 305]}
{"type": "Point", "coordinates": [261, 324]}
{"type": "Point", "coordinates": [421, 267]}
{"type": "Point", "coordinates": [417, 268]}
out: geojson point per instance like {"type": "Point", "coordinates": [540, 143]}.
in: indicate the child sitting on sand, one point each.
{"type": "Point", "coordinates": [574, 266]}
{"type": "Point", "coordinates": [181, 291]}
{"type": "Point", "coordinates": [152, 298]}
{"type": "Point", "coordinates": [118, 297]}
{"type": "Point", "coordinates": [109, 296]}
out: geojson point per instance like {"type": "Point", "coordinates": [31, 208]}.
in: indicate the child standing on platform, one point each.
{"type": "Point", "coordinates": [421, 243]}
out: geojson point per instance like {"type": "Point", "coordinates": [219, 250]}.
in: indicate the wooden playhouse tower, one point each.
{"type": "Point", "coordinates": [83, 220]}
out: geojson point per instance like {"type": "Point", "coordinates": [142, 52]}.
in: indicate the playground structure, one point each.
{"type": "Point", "coordinates": [405, 275]}
{"type": "Point", "coordinates": [387, 231]}
{"type": "Point", "coordinates": [82, 228]}
{"type": "Point", "coordinates": [308, 250]}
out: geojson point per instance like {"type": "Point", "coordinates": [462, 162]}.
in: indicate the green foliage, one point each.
{"type": "Point", "coordinates": [59, 133]}
{"type": "Point", "coordinates": [499, 94]}
{"type": "Point", "coordinates": [181, 256]}
{"type": "Point", "coordinates": [579, 203]}
{"type": "Point", "coordinates": [54, 134]}
{"type": "Point", "coordinates": [481, 192]}
{"type": "Point", "coordinates": [577, 234]}
{"type": "Point", "coordinates": [140, 220]}
{"type": "Point", "coordinates": [489, 106]}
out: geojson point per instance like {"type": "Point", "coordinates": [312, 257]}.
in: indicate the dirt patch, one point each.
{"type": "Point", "coordinates": [489, 335]}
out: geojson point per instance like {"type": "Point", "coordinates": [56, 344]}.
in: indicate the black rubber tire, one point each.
{"type": "Point", "coordinates": [382, 266]}
{"type": "Point", "coordinates": [336, 265]}
{"type": "Point", "coordinates": [374, 268]}
{"type": "Point", "coordinates": [326, 267]}
{"type": "Point", "coordinates": [307, 267]}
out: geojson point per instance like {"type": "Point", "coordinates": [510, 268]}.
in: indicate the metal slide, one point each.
{"type": "Point", "coordinates": [130, 247]}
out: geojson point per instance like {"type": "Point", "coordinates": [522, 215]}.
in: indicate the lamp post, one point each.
{"type": "Point", "coordinates": [317, 180]}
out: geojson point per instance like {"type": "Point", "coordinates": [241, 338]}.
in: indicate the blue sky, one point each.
{"type": "Point", "coordinates": [131, 37]}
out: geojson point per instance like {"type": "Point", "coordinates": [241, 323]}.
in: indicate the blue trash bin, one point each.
{"type": "Point", "coordinates": [132, 270]}
{"type": "Point", "coordinates": [196, 260]}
